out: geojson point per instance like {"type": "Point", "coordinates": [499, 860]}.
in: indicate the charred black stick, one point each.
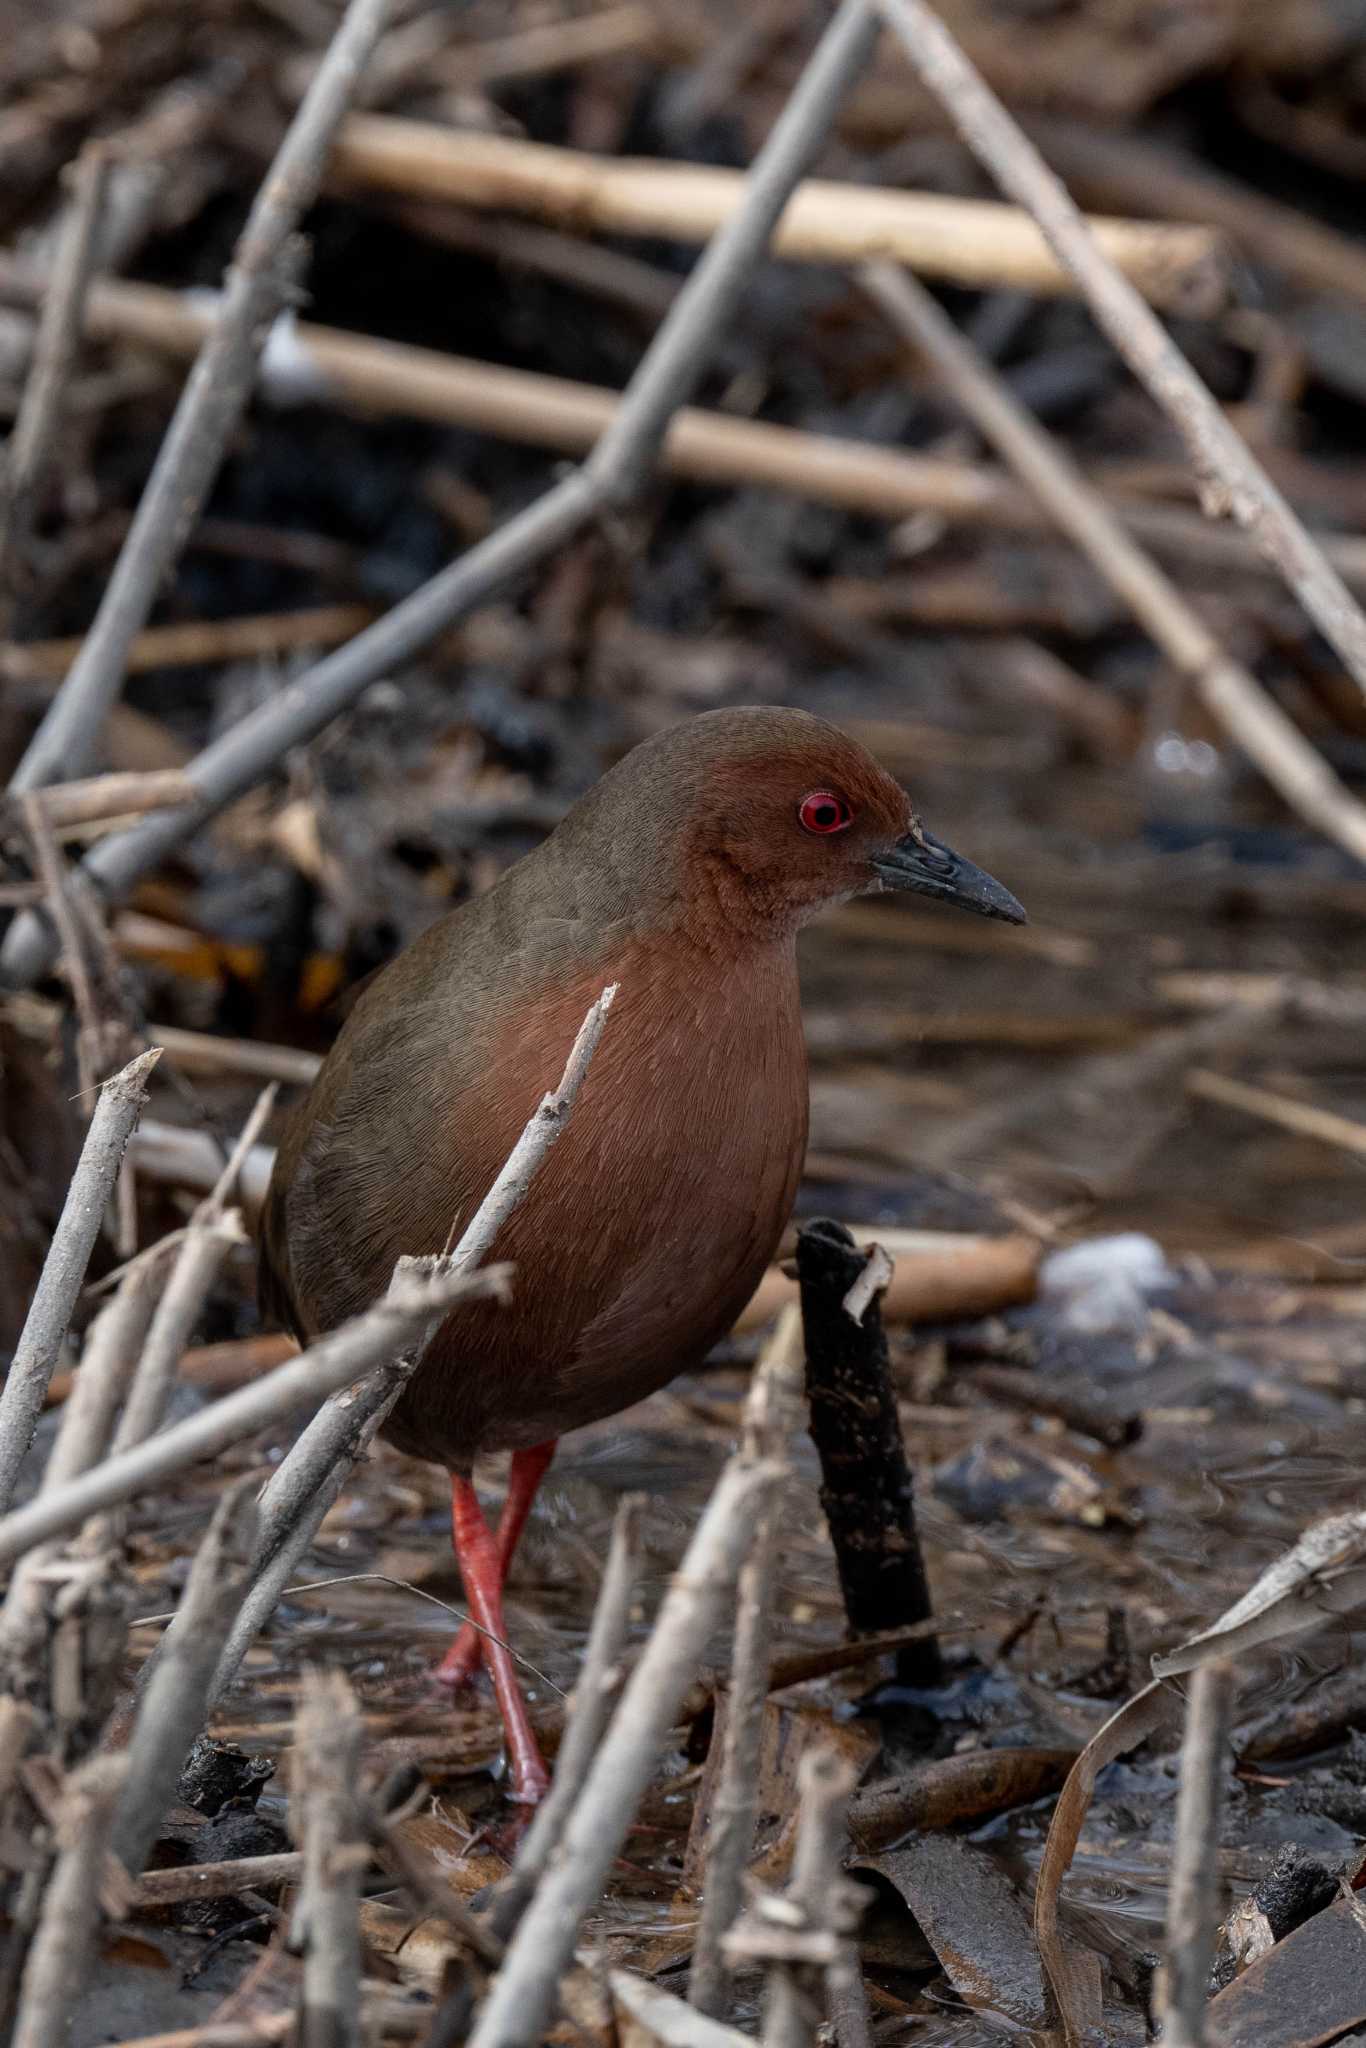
{"type": "Point", "coordinates": [866, 1487]}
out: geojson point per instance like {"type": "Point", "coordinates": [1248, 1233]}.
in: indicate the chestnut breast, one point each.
{"type": "Point", "coordinates": [650, 1222]}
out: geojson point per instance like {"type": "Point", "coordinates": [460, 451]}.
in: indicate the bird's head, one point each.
{"type": "Point", "coordinates": [754, 820]}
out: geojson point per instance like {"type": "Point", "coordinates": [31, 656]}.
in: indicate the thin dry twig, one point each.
{"type": "Point", "coordinates": [31, 446]}
{"type": "Point", "coordinates": [524, 1162]}
{"type": "Point", "coordinates": [173, 1698]}
{"type": "Point", "coordinates": [225, 1880]}
{"type": "Point", "coordinates": [658, 2019]}
{"type": "Point", "coordinates": [40, 1342]}
{"type": "Point", "coordinates": [109, 1355]}
{"type": "Point", "coordinates": [429, 1890]}
{"type": "Point", "coordinates": [266, 265]}
{"type": "Point", "coordinates": [1247, 713]}
{"type": "Point", "coordinates": [667, 374]}
{"type": "Point", "coordinates": [324, 1455]}
{"type": "Point", "coordinates": [199, 1255]}
{"type": "Point", "coordinates": [59, 1960]}
{"type": "Point", "coordinates": [318, 1466]}
{"type": "Point", "coordinates": [58, 885]}
{"type": "Point", "coordinates": [107, 1364]}
{"type": "Point", "coordinates": [213, 1232]}
{"type": "Point", "coordinates": [770, 1415]}
{"type": "Point", "coordinates": [523, 1993]}
{"type": "Point", "coordinates": [257, 2033]}
{"type": "Point", "coordinates": [820, 1908]}
{"type": "Point", "coordinates": [325, 1813]}
{"type": "Point", "coordinates": [1232, 481]}
{"type": "Point", "coordinates": [1193, 1894]}
{"type": "Point", "coordinates": [336, 1360]}
{"type": "Point", "coordinates": [599, 1680]}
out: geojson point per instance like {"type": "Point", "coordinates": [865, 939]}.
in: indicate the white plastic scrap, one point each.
{"type": "Point", "coordinates": [287, 373]}
{"type": "Point", "coordinates": [1103, 1283]}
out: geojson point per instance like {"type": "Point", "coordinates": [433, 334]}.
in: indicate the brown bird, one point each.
{"type": "Point", "coordinates": [683, 876]}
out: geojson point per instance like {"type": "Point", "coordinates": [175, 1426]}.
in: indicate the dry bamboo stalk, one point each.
{"type": "Point", "coordinates": [1251, 717]}
{"type": "Point", "coordinates": [977, 243]}
{"type": "Point", "coordinates": [185, 645]}
{"type": "Point", "coordinates": [204, 1052]}
{"type": "Point", "coordinates": [1231, 480]}
{"type": "Point", "coordinates": [939, 1274]}
{"type": "Point", "coordinates": [558, 413]}
{"type": "Point", "coordinates": [624, 457]}
{"type": "Point", "coordinates": [1303, 1118]}
{"type": "Point", "coordinates": [113, 796]}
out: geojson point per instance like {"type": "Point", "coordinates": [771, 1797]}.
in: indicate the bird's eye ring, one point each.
{"type": "Point", "coordinates": [822, 811]}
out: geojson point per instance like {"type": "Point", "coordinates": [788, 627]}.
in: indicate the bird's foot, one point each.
{"type": "Point", "coordinates": [530, 1775]}
{"type": "Point", "coordinates": [461, 1662]}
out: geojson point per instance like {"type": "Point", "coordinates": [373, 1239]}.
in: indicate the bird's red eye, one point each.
{"type": "Point", "coordinates": [823, 811]}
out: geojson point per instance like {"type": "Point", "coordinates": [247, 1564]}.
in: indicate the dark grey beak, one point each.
{"type": "Point", "coordinates": [930, 868]}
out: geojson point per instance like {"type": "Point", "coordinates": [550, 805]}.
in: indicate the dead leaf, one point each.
{"type": "Point", "coordinates": [419, 1949]}
{"type": "Point", "coordinates": [974, 1920]}
{"type": "Point", "coordinates": [1323, 1573]}
{"type": "Point", "coordinates": [969, 1787]}
{"type": "Point", "coordinates": [1074, 1973]}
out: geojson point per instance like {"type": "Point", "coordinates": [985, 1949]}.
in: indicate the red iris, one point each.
{"type": "Point", "coordinates": [824, 811]}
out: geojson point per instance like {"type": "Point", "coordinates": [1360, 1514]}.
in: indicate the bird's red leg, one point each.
{"type": "Point", "coordinates": [479, 1568]}
{"type": "Point", "coordinates": [529, 1468]}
